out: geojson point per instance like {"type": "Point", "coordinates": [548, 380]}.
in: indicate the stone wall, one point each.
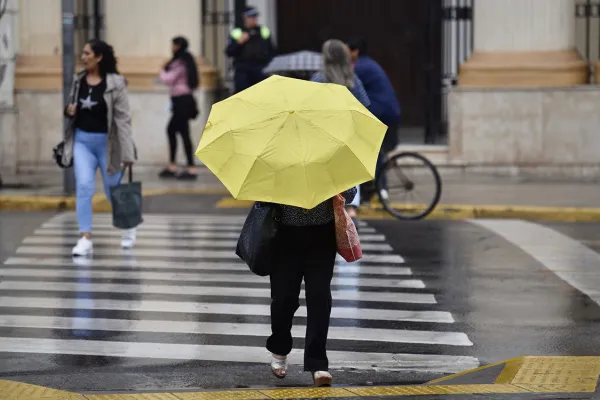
{"type": "Point", "coordinates": [525, 127]}
{"type": "Point", "coordinates": [29, 135]}
{"type": "Point", "coordinates": [7, 52]}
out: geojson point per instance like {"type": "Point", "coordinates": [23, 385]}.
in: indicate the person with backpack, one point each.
{"type": "Point", "coordinates": [180, 74]}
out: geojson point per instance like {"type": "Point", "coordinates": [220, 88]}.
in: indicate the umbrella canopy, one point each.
{"type": "Point", "coordinates": [290, 141]}
{"type": "Point", "coordinates": [302, 61]}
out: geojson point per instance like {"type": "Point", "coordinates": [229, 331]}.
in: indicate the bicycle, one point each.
{"type": "Point", "coordinates": [394, 177]}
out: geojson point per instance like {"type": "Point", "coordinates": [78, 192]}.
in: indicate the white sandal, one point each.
{"type": "Point", "coordinates": [322, 378]}
{"type": "Point", "coordinates": [279, 366]}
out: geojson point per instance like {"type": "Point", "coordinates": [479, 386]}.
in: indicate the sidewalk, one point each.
{"type": "Point", "coordinates": [518, 378]}
{"type": "Point", "coordinates": [464, 195]}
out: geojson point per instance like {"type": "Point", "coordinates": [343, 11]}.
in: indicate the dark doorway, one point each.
{"type": "Point", "coordinates": [404, 37]}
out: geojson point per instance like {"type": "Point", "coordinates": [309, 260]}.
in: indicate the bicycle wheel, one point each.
{"type": "Point", "coordinates": [409, 186]}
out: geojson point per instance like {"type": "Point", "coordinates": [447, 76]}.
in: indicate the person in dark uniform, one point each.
{"type": "Point", "coordinates": [252, 49]}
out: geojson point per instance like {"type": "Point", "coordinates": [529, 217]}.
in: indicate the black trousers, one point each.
{"type": "Point", "coordinates": [245, 77]}
{"type": "Point", "coordinates": [304, 253]}
{"type": "Point", "coordinates": [390, 141]}
{"type": "Point", "coordinates": [183, 111]}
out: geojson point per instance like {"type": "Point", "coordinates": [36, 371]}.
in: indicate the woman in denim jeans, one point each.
{"type": "Point", "coordinates": [101, 136]}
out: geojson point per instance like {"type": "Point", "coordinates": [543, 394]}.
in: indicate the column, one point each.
{"type": "Point", "coordinates": [8, 120]}
{"type": "Point", "coordinates": [141, 33]}
{"type": "Point", "coordinates": [39, 62]}
{"type": "Point", "coordinates": [8, 34]}
{"type": "Point", "coordinates": [524, 43]}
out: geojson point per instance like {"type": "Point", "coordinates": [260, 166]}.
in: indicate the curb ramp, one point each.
{"type": "Point", "coordinates": [99, 201]}
{"type": "Point", "coordinates": [519, 378]}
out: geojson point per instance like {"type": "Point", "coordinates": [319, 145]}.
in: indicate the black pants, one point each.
{"type": "Point", "coordinates": [309, 253]}
{"type": "Point", "coordinates": [390, 141]}
{"type": "Point", "coordinates": [246, 77]}
{"type": "Point", "coordinates": [183, 111]}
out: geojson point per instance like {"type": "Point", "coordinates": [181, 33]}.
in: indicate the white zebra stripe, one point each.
{"type": "Point", "coordinates": [144, 305]}
{"type": "Point", "coordinates": [72, 217]}
{"type": "Point", "coordinates": [232, 329]}
{"type": "Point", "coordinates": [196, 277]}
{"type": "Point", "coordinates": [168, 240]}
{"type": "Point", "coordinates": [186, 218]}
{"type": "Point", "coordinates": [183, 226]}
{"type": "Point", "coordinates": [72, 233]}
{"type": "Point", "coordinates": [354, 268]}
{"type": "Point", "coordinates": [138, 289]}
{"type": "Point", "coordinates": [337, 359]}
{"type": "Point", "coordinates": [198, 254]}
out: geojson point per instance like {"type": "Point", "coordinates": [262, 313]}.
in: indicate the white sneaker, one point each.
{"type": "Point", "coordinates": [384, 194]}
{"type": "Point", "coordinates": [83, 248]}
{"type": "Point", "coordinates": [128, 238]}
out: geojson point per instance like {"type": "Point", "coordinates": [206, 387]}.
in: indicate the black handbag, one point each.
{"type": "Point", "coordinates": [59, 149]}
{"type": "Point", "coordinates": [126, 200]}
{"type": "Point", "coordinates": [257, 242]}
{"type": "Point", "coordinates": [58, 152]}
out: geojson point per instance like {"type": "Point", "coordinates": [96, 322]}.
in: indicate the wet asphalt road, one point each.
{"type": "Point", "coordinates": [477, 294]}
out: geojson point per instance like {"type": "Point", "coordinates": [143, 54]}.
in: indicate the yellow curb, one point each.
{"type": "Point", "coordinates": [99, 203]}
{"type": "Point", "coordinates": [522, 375]}
{"type": "Point", "coordinates": [373, 211]}
{"type": "Point", "coordinates": [465, 211]}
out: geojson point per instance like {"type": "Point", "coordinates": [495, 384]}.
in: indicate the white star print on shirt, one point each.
{"type": "Point", "coordinates": [87, 103]}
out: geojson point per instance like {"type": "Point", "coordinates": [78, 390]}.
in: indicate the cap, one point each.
{"type": "Point", "coordinates": [251, 12]}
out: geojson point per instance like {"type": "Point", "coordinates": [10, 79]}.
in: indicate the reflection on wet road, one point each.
{"type": "Point", "coordinates": [429, 298]}
{"type": "Point", "coordinates": [182, 294]}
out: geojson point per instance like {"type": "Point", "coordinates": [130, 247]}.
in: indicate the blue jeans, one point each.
{"type": "Point", "coordinates": [89, 154]}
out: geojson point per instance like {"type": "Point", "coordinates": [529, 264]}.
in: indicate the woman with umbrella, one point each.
{"type": "Point", "coordinates": [314, 261]}
{"type": "Point", "coordinates": [293, 146]}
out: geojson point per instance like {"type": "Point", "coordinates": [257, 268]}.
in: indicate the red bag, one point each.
{"type": "Point", "coordinates": [346, 236]}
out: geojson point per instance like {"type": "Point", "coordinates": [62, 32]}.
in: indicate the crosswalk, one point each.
{"type": "Point", "coordinates": [182, 294]}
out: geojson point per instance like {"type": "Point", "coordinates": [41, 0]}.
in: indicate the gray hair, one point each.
{"type": "Point", "coordinates": [337, 63]}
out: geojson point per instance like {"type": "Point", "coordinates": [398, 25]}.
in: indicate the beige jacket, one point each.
{"type": "Point", "coordinates": [120, 146]}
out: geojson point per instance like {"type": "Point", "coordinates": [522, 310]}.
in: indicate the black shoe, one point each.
{"type": "Point", "coordinates": [167, 173]}
{"type": "Point", "coordinates": [186, 176]}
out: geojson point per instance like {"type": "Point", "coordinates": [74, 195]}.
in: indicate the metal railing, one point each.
{"type": "Point", "coordinates": [587, 31]}
{"type": "Point", "coordinates": [89, 22]}
{"type": "Point", "coordinates": [218, 18]}
{"type": "Point", "coordinates": [457, 31]}
{"type": "Point", "coordinates": [457, 47]}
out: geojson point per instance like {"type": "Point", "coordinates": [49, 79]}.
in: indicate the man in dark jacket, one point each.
{"type": "Point", "coordinates": [384, 103]}
{"type": "Point", "coordinates": [252, 49]}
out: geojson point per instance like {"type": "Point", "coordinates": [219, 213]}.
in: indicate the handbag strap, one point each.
{"type": "Point", "coordinates": [130, 168]}
{"type": "Point", "coordinates": [276, 207]}
{"type": "Point", "coordinates": [75, 91]}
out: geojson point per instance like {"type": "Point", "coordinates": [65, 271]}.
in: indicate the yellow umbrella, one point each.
{"type": "Point", "coordinates": [290, 141]}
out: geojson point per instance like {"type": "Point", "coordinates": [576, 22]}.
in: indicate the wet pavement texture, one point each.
{"type": "Point", "coordinates": [460, 187]}
{"type": "Point", "coordinates": [181, 311]}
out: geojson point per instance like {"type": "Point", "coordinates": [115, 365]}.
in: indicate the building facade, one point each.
{"type": "Point", "coordinates": [506, 83]}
